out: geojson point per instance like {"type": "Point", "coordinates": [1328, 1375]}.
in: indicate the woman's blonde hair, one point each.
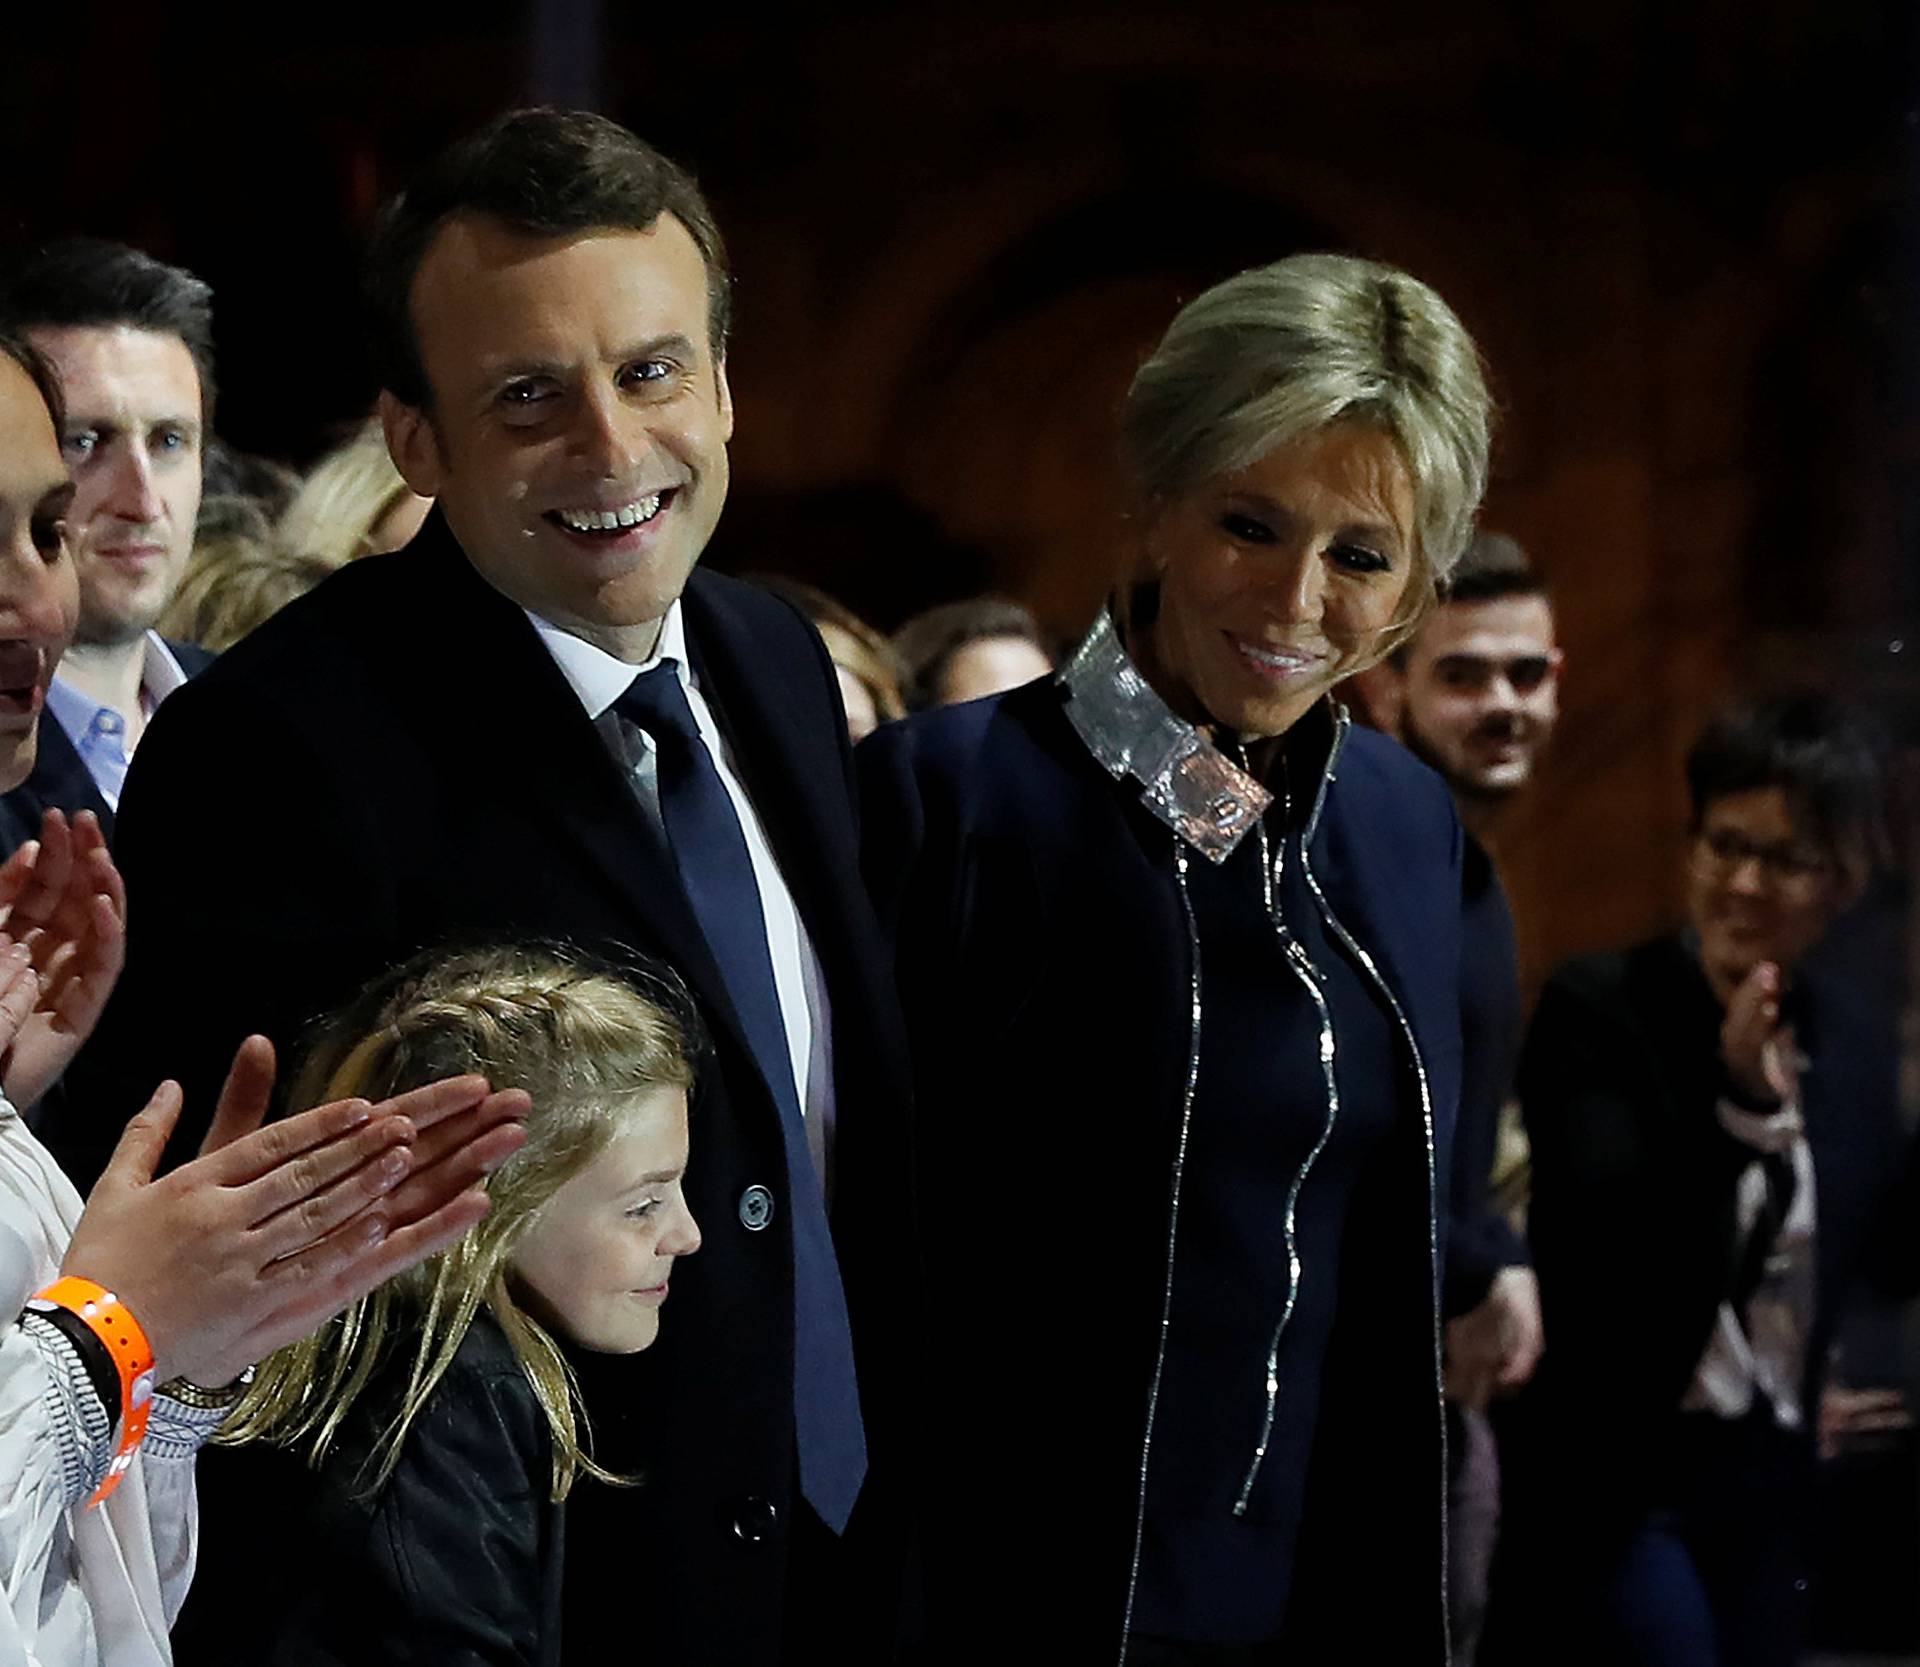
{"type": "Point", "coordinates": [233, 584]}
{"type": "Point", "coordinates": [586, 1042]}
{"type": "Point", "coordinates": [344, 497]}
{"type": "Point", "coordinates": [1280, 352]}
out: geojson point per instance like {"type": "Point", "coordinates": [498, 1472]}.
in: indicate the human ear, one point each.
{"type": "Point", "coordinates": [412, 444]}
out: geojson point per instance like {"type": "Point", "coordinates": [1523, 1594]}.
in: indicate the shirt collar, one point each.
{"type": "Point", "coordinates": [160, 675]}
{"type": "Point", "coordinates": [1185, 780]}
{"type": "Point", "coordinates": [600, 678]}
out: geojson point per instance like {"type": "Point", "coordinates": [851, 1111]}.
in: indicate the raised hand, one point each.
{"type": "Point", "coordinates": [1759, 1051]}
{"type": "Point", "coordinates": [62, 901]}
{"type": "Point", "coordinates": [271, 1231]}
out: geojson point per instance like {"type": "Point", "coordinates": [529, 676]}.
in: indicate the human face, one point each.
{"type": "Point", "coordinates": [1483, 692]}
{"type": "Point", "coordinates": [1278, 580]}
{"type": "Point", "coordinates": [578, 435]}
{"type": "Point", "coordinates": [595, 1263]}
{"type": "Point", "coordinates": [133, 444]}
{"type": "Point", "coordinates": [39, 596]}
{"type": "Point", "coordinates": [1759, 886]}
{"type": "Point", "coordinates": [990, 666]}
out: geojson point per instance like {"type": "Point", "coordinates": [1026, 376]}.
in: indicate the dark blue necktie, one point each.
{"type": "Point", "coordinates": [716, 873]}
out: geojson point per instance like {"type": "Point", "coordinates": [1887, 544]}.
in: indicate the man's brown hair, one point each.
{"type": "Point", "coordinates": [545, 173]}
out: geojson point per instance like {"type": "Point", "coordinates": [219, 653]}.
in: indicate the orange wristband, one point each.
{"type": "Point", "coordinates": [109, 1319]}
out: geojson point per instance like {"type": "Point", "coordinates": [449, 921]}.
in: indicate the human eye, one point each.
{"type": "Point", "coordinates": [647, 375]}
{"type": "Point", "coordinates": [50, 537]}
{"type": "Point", "coordinates": [1358, 558]}
{"type": "Point", "coordinates": [1460, 672]}
{"type": "Point", "coordinates": [526, 398]}
{"type": "Point", "coordinates": [640, 1210]}
{"type": "Point", "coordinates": [171, 439]}
{"type": "Point", "coordinates": [1528, 672]}
{"type": "Point", "coordinates": [1248, 529]}
{"type": "Point", "coordinates": [81, 442]}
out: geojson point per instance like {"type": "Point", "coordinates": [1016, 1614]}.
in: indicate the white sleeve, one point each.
{"type": "Point", "coordinates": [54, 1447]}
{"type": "Point", "coordinates": [175, 1435]}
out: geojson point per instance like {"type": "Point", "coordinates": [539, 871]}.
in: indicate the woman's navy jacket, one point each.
{"type": "Point", "coordinates": [1044, 958]}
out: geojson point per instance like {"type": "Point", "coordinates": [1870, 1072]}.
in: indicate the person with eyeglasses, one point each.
{"type": "Point", "coordinates": [1717, 1157]}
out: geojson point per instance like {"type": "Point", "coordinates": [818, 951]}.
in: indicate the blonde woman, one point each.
{"type": "Point", "coordinates": [442, 1412]}
{"type": "Point", "coordinates": [1194, 943]}
{"type": "Point", "coordinates": [352, 503]}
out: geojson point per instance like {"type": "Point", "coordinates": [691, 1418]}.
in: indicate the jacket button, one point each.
{"type": "Point", "coordinates": [756, 1208]}
{"type": "Point", "coordinates": [753, 1520]}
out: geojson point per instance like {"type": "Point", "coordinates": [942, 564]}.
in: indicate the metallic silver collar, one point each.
{"type": "Point", "coordinates": [1185, 780]}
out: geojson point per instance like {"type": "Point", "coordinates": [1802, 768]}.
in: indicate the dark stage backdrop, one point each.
{"type": "Point", "coordinates": [1683, 235]}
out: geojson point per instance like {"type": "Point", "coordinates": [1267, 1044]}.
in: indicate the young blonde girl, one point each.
{"type": "Point", "coordinates": [441, 1413]}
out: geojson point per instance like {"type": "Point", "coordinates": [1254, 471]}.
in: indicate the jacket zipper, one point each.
{"type": "Point", "coordinates": [1341, 724]}
{"type": "Point", "coordinates": [1272, 862]}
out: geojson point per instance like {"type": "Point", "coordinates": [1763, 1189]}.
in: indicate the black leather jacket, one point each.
{"type": "Point", "coordinates": [456, 1560]}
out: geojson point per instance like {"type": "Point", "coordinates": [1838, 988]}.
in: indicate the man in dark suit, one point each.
{"type": "Point", "coordinates": [131, 339]}
{"type": "Point", "coordinates": [539, 720]}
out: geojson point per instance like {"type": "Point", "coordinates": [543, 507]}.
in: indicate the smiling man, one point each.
{"type": "Point", "coordinates": [131, 339]}
{"type": "Point", "coordinates": [540, 719]}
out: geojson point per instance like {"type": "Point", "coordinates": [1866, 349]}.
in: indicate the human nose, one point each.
{"type": "Point", "coordinates": [1748, 874]}
{"type": "Point", "coordinates": [131, 493]}
{"type": "Point", "coordinates": [1297, 584]}
{"type": "Point", "coordinates": [682, 1237]}
{"type": "Point", "coordinates": [610, 438]}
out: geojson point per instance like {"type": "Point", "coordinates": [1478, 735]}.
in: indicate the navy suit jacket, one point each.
{"type": "Point", "coordinates": [1045, 966]}
{"type": "Point", "coordinates": [418, 772]}
{"type": "Point", "coordinates": [60, 780]}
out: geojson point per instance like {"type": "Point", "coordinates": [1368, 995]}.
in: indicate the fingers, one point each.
{"type": "Point", "coordinates": [363, 1254]}
{"type": "Point", "coordinates": [424, 1107]}
{"type": "Point", "coordinates": [309, 1196]}
{"type": "Point", "coordinates": [16, 871]}
{"type": "Point", "coordinates": [243, 1096]}
{"type": "Point", "coordinates": [19, 991]}
{"type": "Point", "coordinates": [47, 881]}
{"type": "Point", "coordinates": [138, 1154]}
{"type": "Point", "coordinates": [265, 1150]}
{"type": "Point", "coordinates": [455, 1153]}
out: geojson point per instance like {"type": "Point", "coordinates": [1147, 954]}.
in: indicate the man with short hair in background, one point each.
{"type": "Point", "coordinates": [131, 340]}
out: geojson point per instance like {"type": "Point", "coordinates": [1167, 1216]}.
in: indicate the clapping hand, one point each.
{"type": "Point", "coordinates": [1758, 1051]}
{"type": "Point", "coordinates": [64, 913]}
{"type": "Point", "coordinates": [271, 1231]}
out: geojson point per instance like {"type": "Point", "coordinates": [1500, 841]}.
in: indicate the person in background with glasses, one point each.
{"type": "Point", "coordinates": [1717, 1153]}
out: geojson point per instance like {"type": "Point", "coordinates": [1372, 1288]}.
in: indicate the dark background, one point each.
{"type": "Point", "coordinates": [1684, 236]}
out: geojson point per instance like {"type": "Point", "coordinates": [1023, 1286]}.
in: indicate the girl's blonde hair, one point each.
{"type": "Point", "coordinates": [1280, 352]}
{"type": "Point", "coordinates": [343, 498]}
{"type": "Point", "coordinates": [585, 1042]}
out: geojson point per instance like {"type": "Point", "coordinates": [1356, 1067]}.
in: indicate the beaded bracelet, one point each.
{"type": "Point", "coordinates": [110, 1320]}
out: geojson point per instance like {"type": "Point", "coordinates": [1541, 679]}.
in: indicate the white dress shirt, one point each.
{"type": "Point", "coordinates": [1766, 1356]}
{"type": "Point", "coordinates": [599, 679]}
{"type": "Point", "coordinates": [99, 733]}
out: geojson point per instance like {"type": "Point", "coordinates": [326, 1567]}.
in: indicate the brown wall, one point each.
{"type": "Point", "coordinates": [956, 230]}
